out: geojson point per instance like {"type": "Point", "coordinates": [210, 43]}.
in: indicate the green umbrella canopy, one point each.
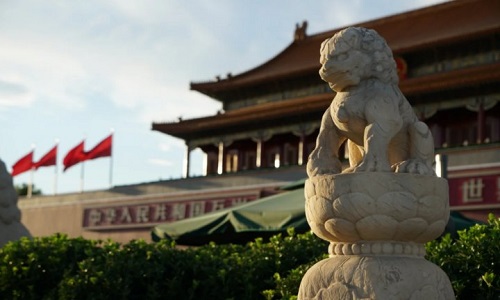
{"type": "Point", "coordinates": [459, 222]}
{"type": "Point", "coordinates": [260, 218]}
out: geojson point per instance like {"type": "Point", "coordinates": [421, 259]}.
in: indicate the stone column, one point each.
{"type": "Point", "coordinates": [205, 164]}
{"type": "Point", "coordinates": [481, 105]}
{"type": "Point", "coordinates": [300, 155]}
{"type": "Point", "coordinates": [377, 224]}
{"type": "Point", "coordinates": [258, 154]}
{"type": "Point", "coordinates": [302, 130]}
{"type": "Point", "coordinates": [480, 124]}
{"type": "Point", "coordinates": [187, 161]}
{"type": "Point", "coordinates": [259, 139]}
{"type": "Point", "coordinates": [220, 158]}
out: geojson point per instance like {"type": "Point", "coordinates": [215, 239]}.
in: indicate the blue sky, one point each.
{"type": "Point", "coordinates": [74, 70]}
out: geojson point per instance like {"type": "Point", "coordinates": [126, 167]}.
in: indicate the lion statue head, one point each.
{"type": "Point", "coordinates": [354, 54]}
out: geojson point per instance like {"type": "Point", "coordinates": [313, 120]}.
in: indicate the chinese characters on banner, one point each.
{"type": "Point", "coordinates": [480, 190]}
{"type": "Point", "coordinates": [140, 215]}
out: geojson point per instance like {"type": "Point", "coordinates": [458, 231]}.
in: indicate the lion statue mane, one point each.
{"type": "Point", "coordinates": [369, 111]}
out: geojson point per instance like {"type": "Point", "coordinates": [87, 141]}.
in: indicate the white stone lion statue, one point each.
{"type": "Point", "coordinates": [369, 111]}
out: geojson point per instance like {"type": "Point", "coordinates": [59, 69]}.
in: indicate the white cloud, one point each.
{"type": "Point", "coordinates": [165, 147]}
{"type": "Point", "coordinates": [14, 94]}
{"type": "Point", "coordinates": [160, 162]}
{"type": "Point", "coordinates": [121, 54]}
{"type": "Point", "coordinates": [43, 71]}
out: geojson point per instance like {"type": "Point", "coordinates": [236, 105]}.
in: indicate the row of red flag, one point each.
{"type": "Point", "coordinates": [73, 157]}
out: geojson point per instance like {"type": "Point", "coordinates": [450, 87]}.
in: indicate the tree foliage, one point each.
{"type": "Point", "coordinates": [58, 267]}
{"type": "Point", "coordinates": [472, 262]}
{"type": "Point", "coordinates": [22, 190]}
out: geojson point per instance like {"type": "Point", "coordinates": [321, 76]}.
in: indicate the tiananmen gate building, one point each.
{"type": "Point", "coordinates": [448, 58]}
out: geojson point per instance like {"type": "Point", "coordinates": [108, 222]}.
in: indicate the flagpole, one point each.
{"type": "Point", "coordinates": [81, 179]}
{"type": "Point", "coordinates": [55, 180]}
{"type": "Point", "coordinates": [55, 170]}
{"type": "Point", "coordinates": [111, 162]}
{"type": "Point", "coordinates": [82, 171]}
{"type": "Point", "coordinates": [30, 183]}
{"type": "Point", "coordinates": [111, 171]}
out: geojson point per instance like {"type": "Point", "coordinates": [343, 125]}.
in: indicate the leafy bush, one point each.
{"type": "Point", "coordinates": [472, 262]}
{"type": "Point", "coordinates": [59, 267]}
{"type": "Point", "coordinates": [31, 269]}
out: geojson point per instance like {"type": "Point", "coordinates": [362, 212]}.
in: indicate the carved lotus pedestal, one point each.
{"type": "Point", "coordinates": [377, 224]}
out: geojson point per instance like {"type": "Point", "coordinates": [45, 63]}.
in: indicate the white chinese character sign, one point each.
{"type": "Point", "coordinates": [475, 191]}
{"type": "Point", "coordinates": [153, 213]}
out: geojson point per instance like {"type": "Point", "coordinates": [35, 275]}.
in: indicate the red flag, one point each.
{"type": "Point", "coordinates": [48, 159]}
{"type": "Point", "coordinates": [102, 149]}
{"type": "Point", "coordinates": [74, 156]}
{"type": "Point", "coordinates": [23, 165]}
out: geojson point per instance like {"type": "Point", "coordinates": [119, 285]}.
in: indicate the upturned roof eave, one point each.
{"type": "Point", "coordinates": [268, 111]}
{"type": "Point", "coordinates": [410, 87]}
{"type": "Point", "coordinates": [398, 39]}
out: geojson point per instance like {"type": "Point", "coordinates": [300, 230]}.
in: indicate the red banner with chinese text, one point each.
{"type": "Point", "coordinates": [477, 190]}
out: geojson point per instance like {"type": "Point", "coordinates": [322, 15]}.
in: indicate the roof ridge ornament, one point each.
{"type": "Point", "coordinates": [300, 31]}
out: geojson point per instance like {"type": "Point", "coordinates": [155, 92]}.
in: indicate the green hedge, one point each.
{"type": "Point", "coordinates": [59, 267]}
{"type": "Point", "coordinates": [472, 262]}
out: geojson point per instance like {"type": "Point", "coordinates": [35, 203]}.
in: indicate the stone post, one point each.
{"type": "Point", "coordinates": [377, 224]}
{"type": "Point", "coordinates": [379, 212]}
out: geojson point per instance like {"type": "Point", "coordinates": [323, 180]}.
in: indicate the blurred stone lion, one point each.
{"type": "Point", "coordinates": [11, 228]}
{"type": "Point", "coordinates": [368, 111]}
